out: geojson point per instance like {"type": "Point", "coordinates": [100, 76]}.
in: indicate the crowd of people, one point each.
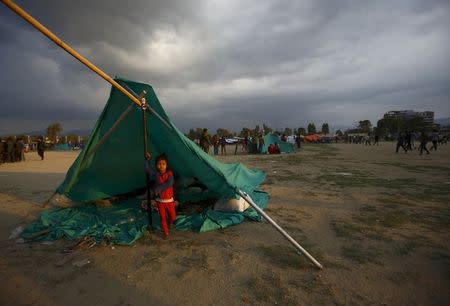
{"type": "Point", "coordinates": [247, 144]}
{"type": "Point", "coordinates": [13, 150]}
{"type": "Point", "coordinates": [406, 141]}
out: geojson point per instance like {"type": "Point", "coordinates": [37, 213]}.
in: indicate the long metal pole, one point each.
{"type": "Point", "coordinates": [147, 159]}
{"type": "Point", "coordinates": [19, 11]}
{"type": "Point", "coordinates": [278, 228]}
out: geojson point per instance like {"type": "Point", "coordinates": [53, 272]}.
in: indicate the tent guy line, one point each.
{"type": "Point", "coordinates": [95, 69]}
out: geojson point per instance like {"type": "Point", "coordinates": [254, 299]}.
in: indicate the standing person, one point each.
{"type": "Point", "coordinates": [223, 143]}
{"type": "Point", "coordinates": [376, 139]}
{"type": "Point", "coordinates": [423, 142]}
{"type": "Point", "coordinates": [245, 144]}
{"type": "Point", "coordinates": [367, 140]}
{"type": "Point", "coordinates": [401, 143]}
{"type": "Point", "coordinates": [163, 189]}
{"type": "Point", "coordinates": [215, 143]}
{"type": "Point", "coordinates": [41, 147]}
{"type": "Point", "coordinates": [2, 151]}
{"type": "Point", "coordinates": [260, 143]}
{"type": "Point", "coordinates": [205, 142]}
{"type": "Point", "coordinates": [298, 141]}
{"type": "Point", "coordinates": [434, 140]}
{"type": "Point", "coordinates": [408, 137]}
{"type": "Point", "coordinates": [21, 150]}
{"type": "Point", "coordinates": [9, 150]}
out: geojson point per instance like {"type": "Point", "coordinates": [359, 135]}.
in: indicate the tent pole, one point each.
{"type": "Point", "coordinates": [278, 228]}
{"type": "Point", "coordinates": [19, 11]}
{"type": "Point", "coordinates": [149, 107]}
{"type": "Point", "coordinates": [147, 157]}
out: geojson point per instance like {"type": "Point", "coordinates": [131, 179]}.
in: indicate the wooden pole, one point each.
{"type": "Point", "coordinates": [19, 11]}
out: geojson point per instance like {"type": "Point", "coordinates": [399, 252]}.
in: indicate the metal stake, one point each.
{"type": "Point", "coordinates": [278, 228]}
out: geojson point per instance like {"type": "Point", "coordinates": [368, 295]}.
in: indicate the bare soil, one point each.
{"type": "Point", "coordinates": [378, 221]}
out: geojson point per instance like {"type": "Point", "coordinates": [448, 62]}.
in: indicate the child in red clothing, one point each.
{"type": "Point", "coordinates": [164, 193]}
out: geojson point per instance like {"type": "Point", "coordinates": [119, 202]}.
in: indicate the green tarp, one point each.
{"type": "Point", "coordinates": [285, 147]}
{"type": "Point", "coordinates": [117, 167]}
{"type": "Point", "coordinates": [62, 147]}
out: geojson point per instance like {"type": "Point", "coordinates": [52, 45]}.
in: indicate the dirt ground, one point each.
{"type": "Point", "coordinates": [378, 222]}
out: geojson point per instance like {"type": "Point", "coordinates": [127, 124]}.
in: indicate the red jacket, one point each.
{"type": "Point", "coordinates": [164, 185]}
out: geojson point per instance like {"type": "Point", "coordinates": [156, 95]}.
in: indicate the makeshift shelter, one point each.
{"type": "Point", "coordinates": [114, 165]}
{"type": "Point", "coordinates": [312, 138]}
{"type": "Point", "coordinates": [231, 176]}
{"type": "Point", "coordinates": [62, 147]}
{"type": "Point", "coordinates": [285, 147]}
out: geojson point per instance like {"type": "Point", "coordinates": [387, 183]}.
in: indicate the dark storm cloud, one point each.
{"type": "Point", "coordinates": [232, 63]}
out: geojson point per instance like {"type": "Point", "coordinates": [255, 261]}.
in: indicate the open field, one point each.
{"type": "Point", "coordinates": [379, 222]}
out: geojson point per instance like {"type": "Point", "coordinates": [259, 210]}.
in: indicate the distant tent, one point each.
{"type": "Point", "coordinates": [312, 138]}
{"type": "Point", "coordinates": [116, 167]}
{"type": "Point", "coordinates": [62, 147]}
{"type": "Point", "coordinates": [285, 147]}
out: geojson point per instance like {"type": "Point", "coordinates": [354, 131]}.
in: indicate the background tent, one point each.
{"type": "Point", "coordinates": [62, 147]}
{"type": "Point", "coordinates": [312, 138]}
{"type": "Point", "coordinates": [117, 167]}
{"type": "Point", "coordinates": [285, 147]}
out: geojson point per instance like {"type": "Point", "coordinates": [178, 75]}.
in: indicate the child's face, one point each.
{"type": "Point", "coordinates": [161, 165]}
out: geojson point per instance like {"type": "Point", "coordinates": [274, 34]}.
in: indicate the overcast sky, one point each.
{"type": "Point", "coordinates": [228, 63]}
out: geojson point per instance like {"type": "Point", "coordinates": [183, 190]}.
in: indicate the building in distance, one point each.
{"type": "Point", "coordinates": [428, 116]}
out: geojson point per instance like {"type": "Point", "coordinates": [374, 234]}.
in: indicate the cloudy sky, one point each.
{"type": "Point", "coordinates": [228, 63]}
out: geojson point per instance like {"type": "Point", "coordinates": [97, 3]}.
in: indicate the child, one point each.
{"type": "Point", "coordinates": [163, 190]}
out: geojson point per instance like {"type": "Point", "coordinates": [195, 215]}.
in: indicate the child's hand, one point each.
{"type": "Point", "coordinates": [144, 205]}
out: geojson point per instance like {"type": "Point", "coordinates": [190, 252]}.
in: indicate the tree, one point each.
{"type": "Point", "coordinates": [365, 126]}
{"type": "Point", "coordinates": [325, 128]}
{"type": "Point", "coordinates": [266, 129]}
{"type": "Point", "coordinates": [223, 132]}
{"type": "Point", "coordinates": [301, 131]}
{"type": "Point", "coordinates": [191, 135]}
{"type": "Point", "coordinates": [311, 128]}
{"type": "Point", "coordinates": [53, 130]}
{"type": "Point", "coordinates": [339, 133]}
{"type": "Point", "coordinates": [287, 131]}
{"type": "Point", "coordinates": [245, 132]}
{"type": "Point", "coordinates": [72, 138]}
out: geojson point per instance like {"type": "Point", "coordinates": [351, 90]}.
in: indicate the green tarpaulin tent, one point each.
{"type": "Point", "coordinates": [116, 166]}
{"type": "Point", "coordinates": [285, 147]}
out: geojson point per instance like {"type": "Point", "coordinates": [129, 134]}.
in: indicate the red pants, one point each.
{"type": "Point", "coordinates": [168, 208]}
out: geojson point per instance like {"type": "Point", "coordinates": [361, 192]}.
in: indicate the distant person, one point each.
{"type": "Point", "coordinates": [423, 142]}
{"type": "Point", "coordinates": [298, 141]}
{"type": "Point", "coordinates": [41, 147]}
{"type": "Point", "coordinates": [21, 150]}
{"type": "Point", "coordinates": [408, 138]}
{"type": "Point", "coordinates": [271, 149]}
{"type": "Point", "coordinates": [2, 151]}
{"type": "Point", "coordinates": [215, 143]}
{"type": "Point", "coordinates": [367, 140]}
{"type": "Point", "coordinates": [245, 144]}
{"type": "Point", "coordinates": [223, 143]}
{"type": "Point", "coordinates": [9, 150]}
{"type": "Point", "coordinates": [434, 140]}
{"type": "Point", "coordinates": [376, 139]}
{"type": "Point", "coordinates": [260, 143]}
{"type": "Point", "coordinates": [205, 142]}
{"type": "Point", "coordinates": [401, 143]}
{"type": "Point", "coordinates": [277, 148]}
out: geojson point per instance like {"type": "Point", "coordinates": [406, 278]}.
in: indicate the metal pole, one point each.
{"type": "Point", "coordinates": [147, 158]}
{"type": "Point", "coordinates": [19, 11]}
{"type": "Point", "coordinates": [278, 228]}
